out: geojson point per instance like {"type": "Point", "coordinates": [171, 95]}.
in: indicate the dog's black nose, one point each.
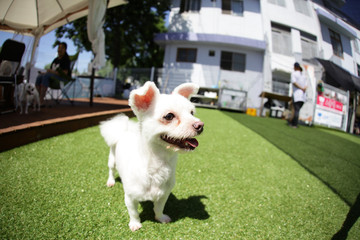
{"type": "Point", "coordinates": [199, 126]}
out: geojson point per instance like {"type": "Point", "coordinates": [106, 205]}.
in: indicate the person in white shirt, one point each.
{"type": "Point", "coordinates": [299, 97]}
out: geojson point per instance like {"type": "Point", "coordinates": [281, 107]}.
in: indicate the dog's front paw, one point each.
{"type": "Point", "coordinates": [134, 226]}
{"type": "Point", "coordinates": [163, 219]}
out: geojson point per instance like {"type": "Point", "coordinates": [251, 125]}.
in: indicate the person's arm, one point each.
{"type": "Point", "coordinates": [65, 71]}
{"type": "Point", "coordinates": [294, 81]}
{"type": "Point", "coordinates": [298, 86]}
{"type": "Point", "coordinates": [57, 71]}
{"type": "Point", "coordinates": [52, 71]}
{"type": "Point", "coordinates": [65, 65]}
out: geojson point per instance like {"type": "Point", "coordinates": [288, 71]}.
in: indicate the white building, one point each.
{"type": "Point", "coordinates": [251, 45]}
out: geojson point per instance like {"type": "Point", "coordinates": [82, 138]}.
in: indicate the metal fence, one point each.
{"type": "Point", "coordinates": [119, 82]}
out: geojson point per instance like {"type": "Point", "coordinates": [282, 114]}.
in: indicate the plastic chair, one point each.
{"type": "Point", "coordinates": [65, 85]}
{"type": "Point", "coordinates": [10, 55]}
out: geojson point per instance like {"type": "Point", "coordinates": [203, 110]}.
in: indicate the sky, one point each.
{"type": "Point", "coordinates": [352, 9]}
{"type": "Point", "coordinates": [46, 52]}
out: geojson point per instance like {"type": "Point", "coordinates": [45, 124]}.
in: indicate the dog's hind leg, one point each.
{"type": "Point", "coordinates": [111, 165]}
{"type": "Point", "coordinates": [21, 108]}
{"type": "Point", "coordinates": [34, 104]}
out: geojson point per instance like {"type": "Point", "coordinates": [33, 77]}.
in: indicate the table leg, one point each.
{"type": "Point", "coordinates": [262, 104]}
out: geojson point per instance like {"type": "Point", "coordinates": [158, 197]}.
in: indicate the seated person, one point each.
{"type": "Point", "coordinates": [59, 68]}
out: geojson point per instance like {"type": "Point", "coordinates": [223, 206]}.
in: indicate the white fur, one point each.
{"type": "Point", "coordinates": [146, 163]}
{"type": "Point", "coordinates": [27, 94]}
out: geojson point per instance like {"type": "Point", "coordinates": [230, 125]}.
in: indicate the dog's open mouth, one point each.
{"type": "Point", "coordinates": [187, 143]}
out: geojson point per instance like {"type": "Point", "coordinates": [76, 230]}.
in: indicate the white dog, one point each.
{"type": "Point", "coordinates": [27, 94]}
{"type": "Point", "coordinates": [145, 152]}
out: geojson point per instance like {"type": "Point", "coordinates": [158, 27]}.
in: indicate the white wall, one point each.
{"type": "Point", "coordinates": [207, 73]}
{"type": "Point", "coordinates": [211, 20]}
{"type": "Point", "coordinates": [289, 17]}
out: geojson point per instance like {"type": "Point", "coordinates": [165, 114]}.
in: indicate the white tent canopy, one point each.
{"type": "Point", "coordinates": [38, 17]}
{"type": "Point", "coordinates": [34, 16]}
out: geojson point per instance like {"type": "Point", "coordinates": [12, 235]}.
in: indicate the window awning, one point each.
{"type": "Point", "coordinates": [339, 77]}
{"type": "Point", "coordinates": [336, 23]}
{"type": "Point", "coordinates": [162, 38]}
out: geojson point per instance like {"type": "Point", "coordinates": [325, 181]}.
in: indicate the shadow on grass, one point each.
{"type": "Point", "coordinates": [118, 180]}
{"type": "Point", "coordinates": [177, 209]}
{"type": "Point", "coordinates": [332, 159]}
{"type": "Point", "coordinates": [351, 218]}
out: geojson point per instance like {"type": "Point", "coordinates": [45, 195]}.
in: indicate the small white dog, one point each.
{"type": "Point", "coordinates": [27, 94]}
{"type": "Point", "coordinates": [145, 152]}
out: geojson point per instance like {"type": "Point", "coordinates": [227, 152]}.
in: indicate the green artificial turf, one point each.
{"type": "Point", "coordinates": [331, 156]}
{"type": "Point", "coordinates": [245, 181]}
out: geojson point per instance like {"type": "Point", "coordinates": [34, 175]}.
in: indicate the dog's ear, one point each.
{"type": "Point", "coordinates": [186, 89]}
{"type": "Point", "coordinates": [142, 99]}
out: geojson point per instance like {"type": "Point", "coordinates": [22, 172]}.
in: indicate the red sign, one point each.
{"type": "Point", "coordinates": [329, 103]}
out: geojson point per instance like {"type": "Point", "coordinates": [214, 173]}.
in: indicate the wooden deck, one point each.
{"type": "Point", "coordinates": [55, 119]}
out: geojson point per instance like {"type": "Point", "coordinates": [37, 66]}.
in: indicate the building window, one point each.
{"type": "Point", "coordinates": [211, 53]}
{"type": "Point", "coordinates": [234, 7]}
{"type": "Point", "coordinates": [190, 6]}
{"type": "Point", "coordinates": [186, 55]}
{"type": "Point", "coordinates": [308, 46]}
{"type": "Point", "coordinates": [278, 2]}
{"type": "Point", "coordinates": [280, 86]}
{"type": "Point", "coordinates": [233, 61]}
{"type": "Point", "coordinates": [302, 6]}
{"type": "Point", "coordinates": [356, 46]}
{"type": "Point", "coordinates": [336, 43]}
{"type": "Point", "coordinates": [358, 68]}
{"type": "Point", "coordinates": [281, 39]}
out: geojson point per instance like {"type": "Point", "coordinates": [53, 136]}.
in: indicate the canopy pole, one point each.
{"type": "Point", "coordinates": [92, 86]}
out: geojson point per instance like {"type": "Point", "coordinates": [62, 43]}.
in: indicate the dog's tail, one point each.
{"type": "Point", "coordinates": [112, 129]}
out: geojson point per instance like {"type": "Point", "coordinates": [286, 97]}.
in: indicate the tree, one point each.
{"type": "Point", "coordinates": [129, 32]}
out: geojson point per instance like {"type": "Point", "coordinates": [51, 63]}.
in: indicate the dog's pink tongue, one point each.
{"type": "Point", "coordinates": [192, 142]}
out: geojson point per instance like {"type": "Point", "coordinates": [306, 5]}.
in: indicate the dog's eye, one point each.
{"type": "Point", "coordinates": [169, 116]}
{"type": "Point", "coordinates": [192, 113]}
